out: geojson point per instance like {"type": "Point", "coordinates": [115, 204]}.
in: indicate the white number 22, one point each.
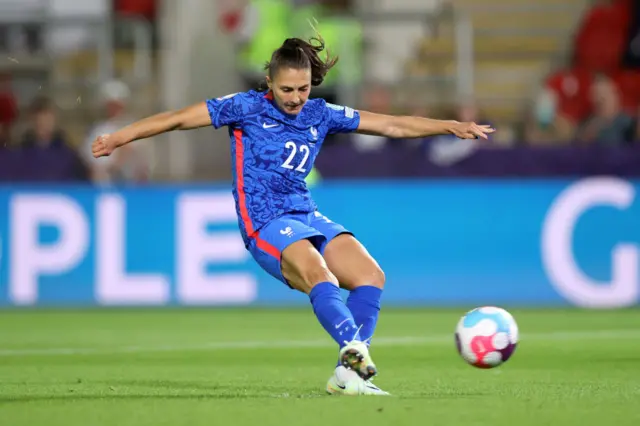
{"type": "Point", "coordinates": [294, 150]}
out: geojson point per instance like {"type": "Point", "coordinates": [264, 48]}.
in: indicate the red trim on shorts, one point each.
{"type": "Point", "coordinates": [266, 247]}
{"type": "Point", "coordinates": [242, 198]}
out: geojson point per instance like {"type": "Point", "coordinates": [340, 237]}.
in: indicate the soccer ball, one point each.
{"type": "Point", "coordinates": [486, 337]}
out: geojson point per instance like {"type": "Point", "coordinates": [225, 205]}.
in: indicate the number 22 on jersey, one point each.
{"type": "Point", "coordinates": [304, 149]}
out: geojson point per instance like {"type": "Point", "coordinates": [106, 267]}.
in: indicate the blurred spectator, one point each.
{"type": "Point", "coordinates": [631, 57]}
{"type": "Point", "coordinates": [45, 146]}
{"type": "Point", "coordinates": [127, 163]}
{"type": "Point", "coordinates": [8, 109]}
{"type": "Point", "coordinates": [600, 39]}
{"type": "Point", "coordinates": [628, 81]}
{"type": "Point", "coordinates": [140, 8]}
{"type": "Point", "coordinates": [608, 123]}
{"type": "Point", "coordinates": [43, 132]}
{"type": "Point", "coordinates": [563, 103]}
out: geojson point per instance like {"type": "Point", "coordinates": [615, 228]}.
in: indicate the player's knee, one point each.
{"type": "Point", "coordinates": [315, 275]}
{"type": "Point", "coordinates": [304, 278]}
{"type": "Point", "coordinates": [377, 277]}
{"type": "Point", "coordinates": [307, 278]}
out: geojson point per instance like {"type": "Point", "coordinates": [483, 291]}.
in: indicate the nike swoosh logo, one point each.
{"type": "Point", "coordinates": [340, 325]}
{"type": "Point", "coordinates": [269, 126]}
{"type": "Point", "coordinates": [342, 387]}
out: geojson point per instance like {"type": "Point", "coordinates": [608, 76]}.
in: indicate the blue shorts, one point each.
{"type": "Point", "coordinates": [267, 244]}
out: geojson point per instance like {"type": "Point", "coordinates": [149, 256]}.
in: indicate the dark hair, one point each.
{"type": "Point", "coordinates": [299, 54]}
{"type": "Point", "coordinates": [40, 104]}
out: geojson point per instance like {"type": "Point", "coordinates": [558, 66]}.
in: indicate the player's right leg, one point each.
{"type": "Point", "coordinates": [285, 248]}
{"type": "Point", "coordinates": [305, 270]}
{"type": "Point", "coordinates": [360, 274]}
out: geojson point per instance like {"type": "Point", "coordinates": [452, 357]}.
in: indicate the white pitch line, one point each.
{"type": "Point", "coordinates": [319, 343]}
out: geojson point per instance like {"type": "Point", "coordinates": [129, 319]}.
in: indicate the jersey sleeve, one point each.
{"type": "Point", "coordinates": [342, 119]}
{"type": "Point", "coordinates": [228, 110]}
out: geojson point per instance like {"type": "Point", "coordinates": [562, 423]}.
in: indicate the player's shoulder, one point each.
{"type": "Point", "coordinates": [249, 97]}
{"type": "Point", "coordinates": [244, 104]}
{"type": "Point", "coordinates": [348, 111]}
{"type": "Point", "coordinates": [321, 105]}
{"type": "Point", "coordinates": [318, 104]}
{"type": "Point", "coordinates": [339, 109]}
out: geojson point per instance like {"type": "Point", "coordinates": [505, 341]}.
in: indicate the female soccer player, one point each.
{"type": "Point", "coordinates": [275, 138]}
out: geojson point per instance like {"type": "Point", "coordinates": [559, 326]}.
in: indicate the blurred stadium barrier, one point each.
{"type": "Point", "coordinates": [442, 243]}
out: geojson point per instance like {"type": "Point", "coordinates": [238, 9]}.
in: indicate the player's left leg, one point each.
{"type": "Point", "coordinates": [359, 273]}
{"type": "Point", "coordinates": [356, 271]}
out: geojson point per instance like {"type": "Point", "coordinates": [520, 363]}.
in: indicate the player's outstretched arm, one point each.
{"type": "Point", "coordinates": [407, 127]}
{"type": "Point", "coordinates": [191, 117]}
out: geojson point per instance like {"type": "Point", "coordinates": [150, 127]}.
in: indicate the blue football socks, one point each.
{"type": "Point", "coordinates": [364, 304]}
{"type": "Point", "coordinates": [333, 313]}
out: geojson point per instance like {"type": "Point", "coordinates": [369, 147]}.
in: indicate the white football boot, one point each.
{"type": "Point", "coordinates": [347, 382]}
{"type": "Point", "coordinates": [355, 356]}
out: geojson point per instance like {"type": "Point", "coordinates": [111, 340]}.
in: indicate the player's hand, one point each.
{"type": "Point", "coordinates": [104, 145]}
{"type": "Point", "coordinates": [471, 130]}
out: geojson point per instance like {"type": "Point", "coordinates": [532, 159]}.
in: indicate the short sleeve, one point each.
{"type": "Point", "coordinates": [342, 119]}
{"type": "Point", "coordinates": [228, 110]}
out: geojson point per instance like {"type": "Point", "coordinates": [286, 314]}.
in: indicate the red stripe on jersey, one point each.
{"type": "Point", "coordinates": [242, 199]}
{"type": "Point", "coordinates": [267, 247]}
{"type": "Point", "coordinates": [269, 95]}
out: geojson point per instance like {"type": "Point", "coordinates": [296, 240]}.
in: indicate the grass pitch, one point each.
{"type": "Point", "coordinates": [269, 367]}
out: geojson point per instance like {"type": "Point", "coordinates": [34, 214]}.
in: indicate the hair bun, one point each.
{"type": "Point", "coordinates": [300, 54]}
{"type": "Point", "coordinates": [293, 43]}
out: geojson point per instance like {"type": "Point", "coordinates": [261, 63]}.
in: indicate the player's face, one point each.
{"type": "Point", "coordinates": [291, 88]}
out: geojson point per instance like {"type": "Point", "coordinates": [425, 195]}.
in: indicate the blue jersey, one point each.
{"type": "Point", "coordinates": [272, 152]}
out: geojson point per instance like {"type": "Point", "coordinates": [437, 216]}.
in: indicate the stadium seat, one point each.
{"type": "Point", "coordinates": [84, 65]}
{"type": "Point", "coordinates": [524, 3]}
{"type": "Point", "coordinates": [515, 46]}
{"type": "Point", "coordinates": [495, 46]}
{"type": "Point", "coordinates": [525, 20]}
{"type": "Point", "coordinates": [629, 83]}
{"type": "Point", "coordinates": [600, 39]}
{"type": "Point", "coordinates": [76, 94]}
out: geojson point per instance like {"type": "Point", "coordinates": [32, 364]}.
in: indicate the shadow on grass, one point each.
{"type": "Point", "coordinates": [195, 390]}
{"type": "Point", "coordinates": [160, 389]}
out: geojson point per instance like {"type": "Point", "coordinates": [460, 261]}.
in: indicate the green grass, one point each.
{"type": "Point", "coordinates": [189, 367]}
